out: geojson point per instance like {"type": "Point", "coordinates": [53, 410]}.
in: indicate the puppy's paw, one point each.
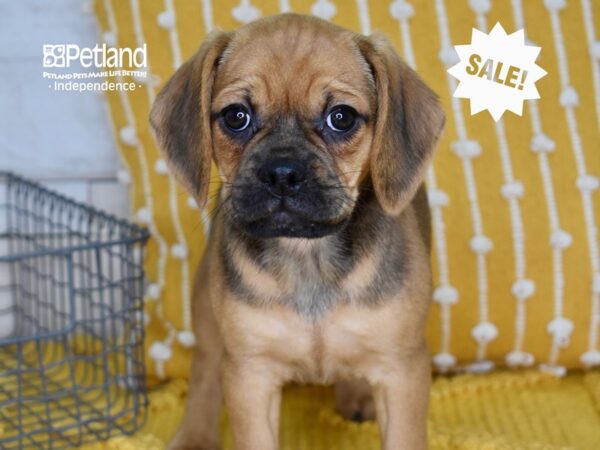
{"type": "Point", "coordinates": [354, 401]}
{"type": "Point", "coordinates": [192, 447]}
{"type": "Point", "coordinates": [183, 442]}
{"type": "Point", "coordinates": [176, 446]}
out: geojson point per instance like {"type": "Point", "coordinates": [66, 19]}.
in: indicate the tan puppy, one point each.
{"type": "Point", "coordinates": [317, 269]}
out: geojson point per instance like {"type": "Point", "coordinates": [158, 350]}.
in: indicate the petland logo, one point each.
{"type": "Point", "coordinates": [105, 62]}
{"type": "Point", "coordinates": [62, 55]}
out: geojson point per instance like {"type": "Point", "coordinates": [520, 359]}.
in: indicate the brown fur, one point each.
{"type": "Point", "coordinates": [349, 306]}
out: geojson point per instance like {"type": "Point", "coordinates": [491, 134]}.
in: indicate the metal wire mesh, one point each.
{"type": "Point", "coordinates": [71, 320]}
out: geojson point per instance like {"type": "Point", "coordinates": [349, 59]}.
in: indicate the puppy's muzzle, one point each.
{"type": "Point", "coordinates": [282, 177]}
{"type": "Point", "coordinates": [284, 191]}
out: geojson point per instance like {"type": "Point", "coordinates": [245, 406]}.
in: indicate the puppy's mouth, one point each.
{"type": "Point", "coordinates": [286, 195]}
{"type": "Point", "coordinates": [282, 220]}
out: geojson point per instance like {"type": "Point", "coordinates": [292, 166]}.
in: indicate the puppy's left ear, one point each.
{"type": "Point", "coordinates": [409, 123]}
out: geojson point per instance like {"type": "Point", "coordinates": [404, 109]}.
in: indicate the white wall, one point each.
{"type": "Point", "coordinates": [60, 138]}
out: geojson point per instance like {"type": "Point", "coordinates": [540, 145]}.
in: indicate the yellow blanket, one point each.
{"type": "Point", "coordinates": [501, 411]}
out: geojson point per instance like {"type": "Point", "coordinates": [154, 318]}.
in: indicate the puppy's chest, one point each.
{"type": "Point", "coordinates": [313, 282]}
{"type": "Point", "coordinates": [317, 317]}
{"type": "Point", "coordinates": [344, 341]}
{"type": "Point", "coordinates": [308, 290]}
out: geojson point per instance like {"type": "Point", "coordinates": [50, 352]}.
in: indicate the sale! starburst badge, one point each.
{"type": "Point", "coordinates": [497, 71]}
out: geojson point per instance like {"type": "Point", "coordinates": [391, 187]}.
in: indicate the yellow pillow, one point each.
{"type": "Point", "coordinates": [515, 204]}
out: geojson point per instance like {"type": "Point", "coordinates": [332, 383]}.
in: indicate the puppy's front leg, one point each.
{"type": "Point", "coordinates": [253, 401]}
{"type": "Point", "coordinates": [401, 400]}
{"type": "Point", "coordinates": [200, 427]}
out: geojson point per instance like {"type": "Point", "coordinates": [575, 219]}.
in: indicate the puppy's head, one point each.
{"type": "Point", "coordinates": [298, 114]}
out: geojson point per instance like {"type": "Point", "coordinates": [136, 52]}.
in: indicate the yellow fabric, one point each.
{"type": "Point", "coordinates": [118, 17]}
{"type": "Point", "coordinates": [501, 411]}
{"type": "Point", "coordinates": [59, 388]}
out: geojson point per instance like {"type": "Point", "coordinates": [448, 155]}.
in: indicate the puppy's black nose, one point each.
{"type": "Point", "coordinates": [283, 176]}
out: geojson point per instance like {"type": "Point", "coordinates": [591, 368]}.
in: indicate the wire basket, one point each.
{"type": "Point", "coordinates": [71, 320]}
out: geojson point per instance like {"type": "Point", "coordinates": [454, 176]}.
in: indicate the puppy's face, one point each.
{"type": "Point", "coordinates": [292, 127]}
{"type": "Point", "coordinates": [297, 113]}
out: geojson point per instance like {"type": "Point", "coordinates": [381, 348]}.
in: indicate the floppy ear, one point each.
{"type": "Point", "coordinates": [409, 123]}
{"type": "Point", "coordinates": [180, 117]}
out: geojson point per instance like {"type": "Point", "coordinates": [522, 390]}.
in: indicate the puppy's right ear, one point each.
{"type": "Point", "coordinates": [180, 117]}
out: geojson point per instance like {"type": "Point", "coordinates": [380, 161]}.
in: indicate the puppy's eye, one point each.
{"type": "Point", "coordinates": [341, 118]}
{"type": "Point", "coordinates": [236, 117]}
